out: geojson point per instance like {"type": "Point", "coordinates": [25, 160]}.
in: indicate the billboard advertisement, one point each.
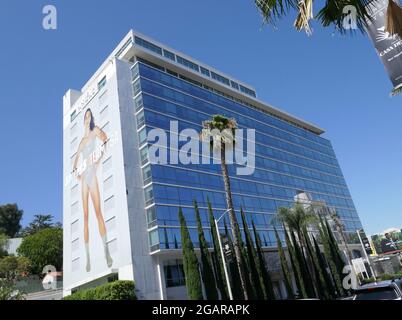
{"type": "Point", "coordinates": [389, 48]}
{"type": "Point", "coordinates": [95, 207]}
{"type": "Point", "coordinates": [387, 242]}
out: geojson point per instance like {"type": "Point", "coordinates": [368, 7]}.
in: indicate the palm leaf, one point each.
{"type": "Point", "coordinates": [305, 15]}
{"type": "Point", "coordinates": [274, 9]}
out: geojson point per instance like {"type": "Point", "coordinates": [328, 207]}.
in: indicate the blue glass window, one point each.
{"type": "Point", "coordinates": [148, 45]}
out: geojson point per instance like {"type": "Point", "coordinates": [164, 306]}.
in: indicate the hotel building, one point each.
{"type": "Point", "coordinates": [145, 85]}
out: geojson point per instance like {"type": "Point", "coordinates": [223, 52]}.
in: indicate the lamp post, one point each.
{"type": "Point", "coordinates": [223, 255]}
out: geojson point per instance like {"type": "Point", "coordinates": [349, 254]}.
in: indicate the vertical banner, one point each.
{"type": "Point", "coordinates": [365, 241]}
{"type": "Point", "coordinates": [389, 48]}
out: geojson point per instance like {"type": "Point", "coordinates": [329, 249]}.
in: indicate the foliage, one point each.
{"type": "Point", "coordinates": [43, 248]}
{"type": "Point", "coordinates": [10, 218]}
{"type": "Point", "coordinates": [13, 268]}
{"type": "Point", "coordinates": [3, 243]}
{"type": "Point", "coordinates": [190, 262]}
{"type": "Point", "coordinates": [285, 267]}
{"type": "Point", "coordinates": [256, 280]}
{"type": "Point", "coordinates": [304, 271]}
{"type": "Point", "coordinates": [39, 223]}
{"type": "Point", "coordinates": [302, 292]}
{"type": "Point", "coordinates": [208, 278]}
{"type": "Point", "coordinates": [331, 256]}
{"type": "Point", "coordinates": [8, 292]}
{"type": "Point", "coordinates": [117, 290]}
{"type": "Point", "coordinates": [327, 279]}
{"type": "Point", "coordinates": [250, 291]}
{"type": "Point", "coordinates": [330, 14]}
{"type": "Point", "coordinates": [262, 267]}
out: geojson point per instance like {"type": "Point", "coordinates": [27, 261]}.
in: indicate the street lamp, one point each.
{"type": "Point", "coordinates": [223, 255]}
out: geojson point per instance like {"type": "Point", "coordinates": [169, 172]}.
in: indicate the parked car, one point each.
{"type": "Point", "coordinates": [383, 290]}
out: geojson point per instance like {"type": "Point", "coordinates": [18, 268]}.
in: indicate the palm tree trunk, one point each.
{"type": "Point", "coordinates": [233, 220]}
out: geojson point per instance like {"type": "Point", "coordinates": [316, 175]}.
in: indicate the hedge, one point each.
{"type": "Point", "coordinates": [117, 290]}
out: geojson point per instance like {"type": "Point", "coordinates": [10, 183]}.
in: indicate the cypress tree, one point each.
{"type": "Point", "coordinates": [217, 257]}
{"type": "Point", "coordinates": [295, 266]}
{"type": "Point", "coordinates": [307, 280]}
{"type": "Point", "coordinates": [329, 255]}
{"type": "Point", "coordinates": [322, 290]}
{"type": "Point", "coordinates": [336, 254]}
{"type": "Point", "coordinates": [284, 265]}
{"type": "Point", "coordinates": [190, 262]}
{"type": "Point", "coordinates": [237, 289]}
{"type": "Point", "coordinates": [323, 267]}
{"type": "Point", "coordinates": [255, 274]}
{"type": "Point", "coordinates": [262, 267]}
{"type": "Point", "coordinates": [251, 292]}
{"type": "Point", "coordinates": [206, 265]}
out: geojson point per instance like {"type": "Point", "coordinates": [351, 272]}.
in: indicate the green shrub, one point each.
{"type": "Point", "coordinates": [117, 290]}
{"type": "Point", "coordinates": [387, 277]}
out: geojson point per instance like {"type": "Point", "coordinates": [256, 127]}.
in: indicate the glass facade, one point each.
{"type": "Point", "coordinates": [289, 159]}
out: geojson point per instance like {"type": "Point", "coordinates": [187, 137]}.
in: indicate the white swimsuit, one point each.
{"type": "Point", "coordinates": [87, 153]}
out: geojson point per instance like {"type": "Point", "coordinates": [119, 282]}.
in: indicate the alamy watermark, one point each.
{"type": "Point", "coordinates": [211, 146]}
{"type": "Point", "coordinates": [49, 21]}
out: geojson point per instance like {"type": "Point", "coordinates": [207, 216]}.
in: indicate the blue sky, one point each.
{"type": "Point", "coordinates": [334, 81]}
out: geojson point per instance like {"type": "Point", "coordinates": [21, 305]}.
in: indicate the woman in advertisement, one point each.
{"type": "Point", "coordinates": [89, 181]}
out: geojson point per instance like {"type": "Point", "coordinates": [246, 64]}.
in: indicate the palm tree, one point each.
{"type": "Point", "coordinates": [296, 220]}
{"type": "Point", "coordinates": [331, 13]}
{"type": "Point", "coordinates": [222, 131]}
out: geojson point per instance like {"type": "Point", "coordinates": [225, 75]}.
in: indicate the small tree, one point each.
{"type": "Point", "coordinates": [10, 218]}
{"type": "Point", "coordinates": [206, 269]}
{"type": "Point", "coordinates": [190, 262]}
{"type": "Point", "coordinates": [285, 268]}
{"type": "Point", "coordinates": [304, 271]}
{"type": "Point", "coordinates": [8, 292]}
{"type": "Point", "coordinates": [335, 256]}
{"type": "Point", "coordinates": [331, 257]}
{"type": "Point", "coordinates": [321, 287]}
{"type": "Point", "coordinates": [3, 245]}
{"type": "Point", "coordinates": [43, 248]}
{"type": "Point", "coordinates": [295, 267]}
{"type": "Point", "coordinates": [14, 268]}
{"type": "Point", "coordinates": [40, 222]}
{"type": "Point", "coordinates": [262, 267]}
{"type": "Point", "coordinates": [255, 274]}
{"type": "Point", "coordinates": [327, 278]}
{"type": "Point", "coordinates": [250, 293]}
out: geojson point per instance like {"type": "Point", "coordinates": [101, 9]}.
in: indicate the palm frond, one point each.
{"type": "Point", "coordinates": [274, 9]}
{"type": "Point", "coordinates": [305, 15]}
{"type": "Point", "coordinates": [334, 13]}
